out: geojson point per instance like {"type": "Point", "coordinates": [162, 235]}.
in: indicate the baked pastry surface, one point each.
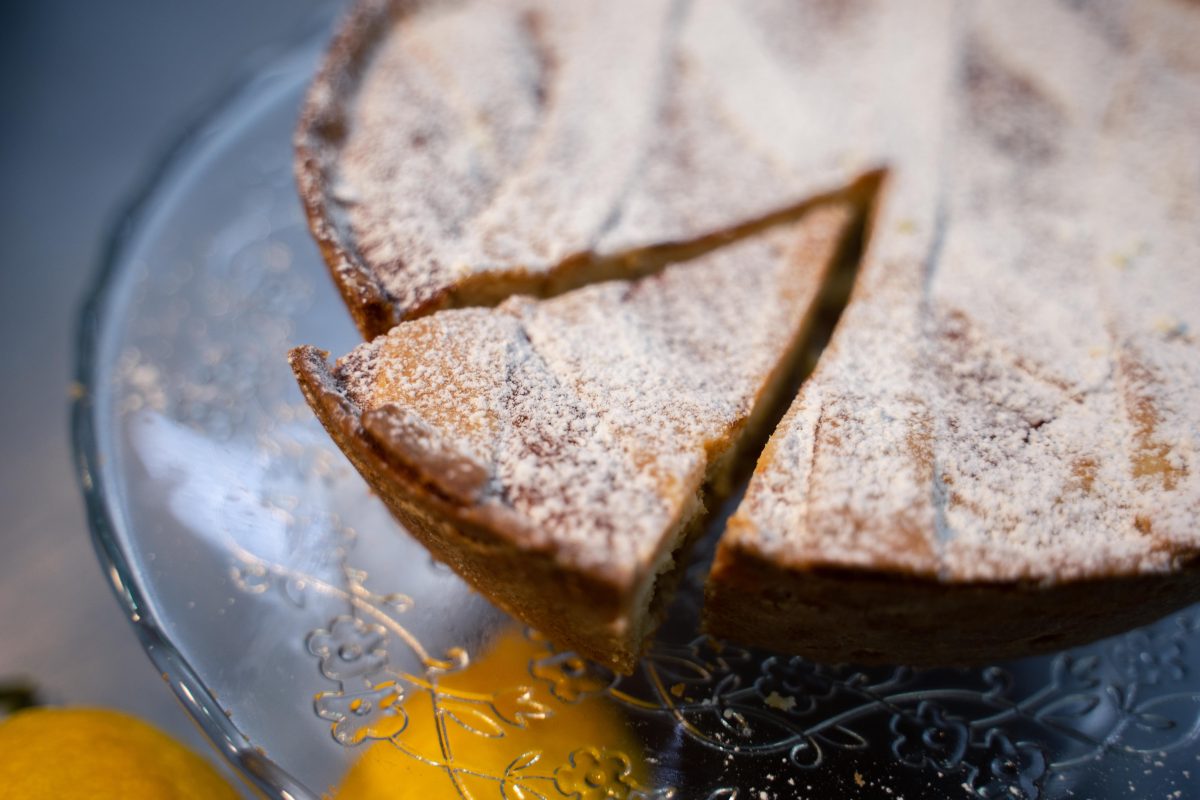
{"type": "Point", "coordinates": [998, 452]}
{"type": "Point", "coordinates": [559, 453]}
{"type": "Point", "coordinates": [457, 153]}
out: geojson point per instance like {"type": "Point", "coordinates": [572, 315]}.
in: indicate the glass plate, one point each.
{"type": "Point", "coordinates": [325, 653]}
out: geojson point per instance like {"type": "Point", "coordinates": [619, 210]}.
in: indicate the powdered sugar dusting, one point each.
{"type": "Point", "coordinates": [492, 137]}
{"type": "Point", "coordinates": [595, 414]}
{"type": "Point", "coordinates": [1030, 412]}
{"type": "Point", "coordinates": [506, 138]}
{"type": "Point", "coordinates": [1011, 394]}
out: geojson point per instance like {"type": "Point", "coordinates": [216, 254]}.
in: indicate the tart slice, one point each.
{"type": "Point", "coordinates": [558, 454]}
{"type": "Point", "coordinates": [999, 452]}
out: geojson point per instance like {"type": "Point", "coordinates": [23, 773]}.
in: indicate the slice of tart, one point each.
{"type": "Point", "coordinates": [454, 154]}
{"type": "Point", "coordinates": [999, 452]}
{"type": "Point", "coordinates": [560, 453]}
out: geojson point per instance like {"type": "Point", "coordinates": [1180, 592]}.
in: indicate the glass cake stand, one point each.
{"type": "Point", "coordinates": [326, 654]}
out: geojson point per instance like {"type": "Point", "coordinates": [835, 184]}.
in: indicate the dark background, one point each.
{"type": "Point", "coordinates": [93, 91]}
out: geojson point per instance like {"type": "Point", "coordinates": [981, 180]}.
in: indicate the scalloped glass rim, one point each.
{"type": "Point", "coordinates": [176, 158]}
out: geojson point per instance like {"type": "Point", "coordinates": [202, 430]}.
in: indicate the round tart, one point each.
{"type": "Point", "coordinates": [997, 453]}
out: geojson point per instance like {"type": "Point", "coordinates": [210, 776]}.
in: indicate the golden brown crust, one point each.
{"type": "Point", "coordinates": [321, 127]}
{"type": "Point", "coordinates": [443, 469]}
{"type": "Point", "coordinates": [838, 615]}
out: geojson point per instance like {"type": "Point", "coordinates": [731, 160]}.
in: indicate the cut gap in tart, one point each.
{"type": "Point", "coordinates": [560, 454]}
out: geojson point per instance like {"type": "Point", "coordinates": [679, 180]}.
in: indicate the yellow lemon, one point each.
{"type": "Point", "coordinates": [62, 753]}
{"type": "Point", "coordinates": [496, 729]}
